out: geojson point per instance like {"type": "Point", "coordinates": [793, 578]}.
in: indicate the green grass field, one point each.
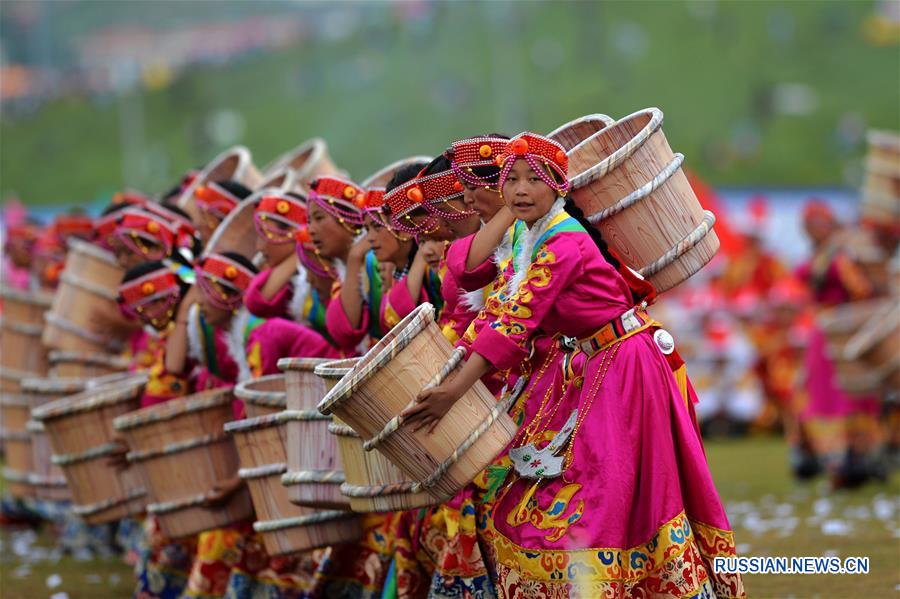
{"type": "Point", "coordinates": [771, 514]}
{"type": "Point", "coordinates": [389, 89]}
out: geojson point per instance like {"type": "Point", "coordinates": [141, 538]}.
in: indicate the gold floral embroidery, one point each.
{"type": "Point", "coordinates": [553, 518]}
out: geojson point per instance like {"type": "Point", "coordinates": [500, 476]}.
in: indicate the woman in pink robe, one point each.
{"type": "Point", "coordinates": [607, 458]}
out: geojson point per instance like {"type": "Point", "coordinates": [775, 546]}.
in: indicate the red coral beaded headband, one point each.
{"type": "Point", "coordinates": [222, 280]}
{"type": "Point", "coordinates": [541, 153]}
{"type": "Point", "coordinates": [402, 201]}
{"type": "Point", "coordinates": [137, 227]}
{"type": "Point", "coordinates": [136, 295]}
{"type": "Point", "coordinates": [288, 211]}
{"type": "Point", "coordinates": [215, 200]}
{"type": "Point", "coordinates": [468, 154]}
{"type": "Point", "coordinates": [341, 199]}
{"type": "Point", "coordinates": [442, 188]}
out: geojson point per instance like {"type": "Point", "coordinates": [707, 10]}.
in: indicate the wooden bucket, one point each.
{"type": "Point", "coordinates": [85, 364]}
{"type": "Point", "coordinates": [839, 324]}
{"type": "Point", "coordinates": [309, 160]}
{"type": "Point", "coordinates": [877, 345]}
{"type": "Point", "coordinates": [11, 380]}
{"type": "Point", "coordinates": [285, 527]}
{"type": "Point", "coordinates": [85, 316]}
{"type": "Point", "coordinates": [388, 379]}
{"type": "Point", "coordinates": [182, 449]}
{"type": "Point", "coordinates": [373, 483]}
{"type": "Point", "coordinates": [46, 478]}
{"type": "Point", "coordinates": [283, 179]}
{"type": "Point", "coordinates": [881, 182]}
{"type": "Point", "coordinates": [82, 437]}
{"type": "Point", "coordinates": [236, 232]}
{"type": "Point", "coordinates": [262, 396]}
{"type": "Point", "coordinates": [574, 132]}
{"type": "Point", "coordinates": [21, 329]}
{"type": "Point", "coordinates": [630, 185]}
{"type": "Point", "coordinates": [314, 473]}
{"type": "Point", "coordinates": [235, 164]}
{"type": "Point", "coordinates": [381, 177]}
{"type": "Point", "coordinates": [15, 411]}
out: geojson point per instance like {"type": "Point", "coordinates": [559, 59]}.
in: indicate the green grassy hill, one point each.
{"type": "Point", "coordinates": [379, 88]}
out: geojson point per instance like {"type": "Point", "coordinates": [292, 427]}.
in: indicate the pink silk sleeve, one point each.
{"type": "Point", "coordinates": [344, 334]}
{"type": "Point", "coordinates": [280, 338]}
{"type": "Point", "coordinates": [258, 305]}
{"type": "Point", "coordinates": [505, 341]}
{"type": "Point", "coordinates": [469, 280]}
{"type": "Point", "coordinates": [397, 304]}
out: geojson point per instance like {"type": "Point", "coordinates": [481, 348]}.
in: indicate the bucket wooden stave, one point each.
{"type": "Point", "coordinates": [314, 475]}
{"type": "Point", "coordinates": [237, 232]}
{"type": "Point", "coordinates": [388, 378]}
{"type": "Point", "coordinates": [876, 345]}
{"type": "Point", "coordinates": [308, 161]}
{"type": "Point", "coordinates": [46, 477]}
{"type": "Point", "coordinates": [15, 410]}
{"type": "Point", "coordinates": [85, 364]}
{"type": "Point", "coordinates": [840, 324]}
{"type": "Point", "coordinates": [182, 450]}
{"type": "Point", "coordinates": [84, 316]}
{"type": "Point", "coordinates": [82, 437]}
{"type": "Point", "coordinates": [261, 396]}
{"type": "Point", "coordinates": [285, 527]}
{"type": "Point", "coordinates": [235, 163]}
{"type": "Point", "coordinates": [372, 483]}
{"type": "Point", "coordinates": [21, 330]}
{"type": "Point", "coordinates": [381, 177]}
{"type": "Point", "coordinates": [630, 184]}
{"type": "Point", "coordinates": [570, 134]}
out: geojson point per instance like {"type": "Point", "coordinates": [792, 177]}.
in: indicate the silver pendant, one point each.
{"type": "Point", "coordinates": [664, 341]}
{"type": "Point", "coordinates": [531, 462]}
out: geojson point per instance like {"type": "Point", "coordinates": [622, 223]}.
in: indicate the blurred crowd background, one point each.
{"type": "Point", "coordinates": [772, 104]}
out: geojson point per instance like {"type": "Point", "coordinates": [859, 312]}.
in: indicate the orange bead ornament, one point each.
{"type": "Point", "coordinates": [153, 227]}
{"type": "Point", "coordinates": [415, 195]}
{"type": "Point", "coordinates": [148, 288]}
{"type": "Point", "coordinates": [485, 151]}
{"type": "Point", "coordinates": [231, 273]}
{"type": "Point", "coordinates": [519, 146]}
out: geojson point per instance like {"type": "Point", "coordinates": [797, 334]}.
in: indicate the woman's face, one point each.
{"type": "Point", "coordinates": [464, 227]}
{"type": "Point", "coordinates": [128, 258]}
{"type": "Point", "coordinates": [433, 252]}
{"type": "Point", "coordinates": [214, 315]}
{"type": "Point", "coordinates": [527, 196]}
{"type": "Point", "coordinates": [206, 224]}
{"type": "Point", "coordinates": [275, 253]}
{"type": "Point", "coordinates": [328, 236]}
{"type": "Point", "coordinates": [483, 200]}
{"type": "Point", "coordinates": [386, 246]}
{"type": "Point", "coordinates": [431, 227]}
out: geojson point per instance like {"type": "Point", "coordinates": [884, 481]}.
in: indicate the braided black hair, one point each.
{"type": "Point", "coordinates": [576, 213]}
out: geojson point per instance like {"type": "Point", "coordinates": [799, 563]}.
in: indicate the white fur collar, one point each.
{"type": "Point", "coordinates": [473, 301]}
{"type": "Point", "coordinates": [234, 341]}
{"type": "Point", "coordinates": [503, 252]}
{"type": "Point", "coordinates": [301, 290]}
{"type": "Point", "coordinates": [195, 343]}
{"type": "Point", "coordinates": [526, 245]}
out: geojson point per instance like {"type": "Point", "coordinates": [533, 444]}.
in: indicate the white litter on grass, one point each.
{"type": "Point", "coordinates": [783, 510]}
{"type": "Point", "coordinates": [858, 512]}
{"type": "Point", "coordinates": [53, 581]}
{"type": "Point", "coordinates": [22, 571]}
{"type": "Point", "coordinates": [822, 506]}
{"type": "Point", "coordinates": [836, 528]}
{"type": "Point", "coordinates": [93, 579]}
{"type": "Point", "coordinates": [742, 548]}
{"type": "Point", "coordinates": [830, 553]}
{"type": "Point", "coordinates": [114, 579]}
{"type": "Point", "coordinates": [62, 595]}
{"type": "Point", "coordinates": [884, 508]}
{"type": "Point", "coordinates": [22, 542]}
